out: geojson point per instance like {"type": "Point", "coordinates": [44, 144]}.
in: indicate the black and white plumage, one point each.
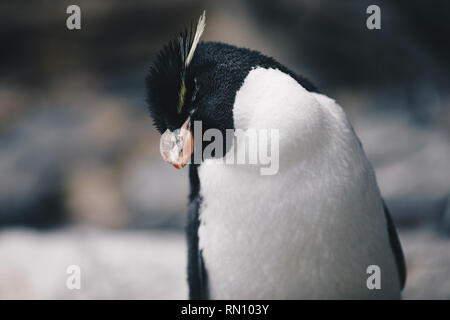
{"type": "Point", "coordinates": [311, 230]}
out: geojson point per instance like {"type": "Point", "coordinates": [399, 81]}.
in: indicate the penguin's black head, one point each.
{"type": "Point", "coordinates": [181, 89]}
{"type": "Point", "coordinates": [191, 81]}
{"type": "Point", "coordinates": [171, 82]}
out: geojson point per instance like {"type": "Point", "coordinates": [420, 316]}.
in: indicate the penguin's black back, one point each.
{"type": "Point", "coordinates": [240, 61]}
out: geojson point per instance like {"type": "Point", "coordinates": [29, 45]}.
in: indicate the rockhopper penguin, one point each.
{"type": "Point", "coordinates": [311, 230]}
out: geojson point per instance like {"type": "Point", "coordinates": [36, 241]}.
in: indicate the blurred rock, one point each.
{"type": "Point", "coordinates": [94, 197]}
{"type": "Point", "coordinates": [39, 152]}
{"type": "Point", "coordinates": [13, 102]}
{"type": "Point", "coordinates": [114, 265]}
{"type": "Point", "coordinates": [96, 162]}
{"type": "Point", "coordinates": [32, 156]}
{"type": "Point", "coordinates": [428, 262]}
{"type": "Point", "coordinates": [156, 193]}
{"type": "Point", "coordinates": [444, 222]}
{"type": "Point", "coordinates": [412, 164]}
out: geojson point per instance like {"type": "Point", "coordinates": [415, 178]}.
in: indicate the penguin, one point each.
{"type": "Point", "coordinates": [314, 230]}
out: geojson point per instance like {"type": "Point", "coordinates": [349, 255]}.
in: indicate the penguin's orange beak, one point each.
{"type": "Point", "coordinates": [176, 147]}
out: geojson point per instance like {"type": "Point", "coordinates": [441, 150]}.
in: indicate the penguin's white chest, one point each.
{"type": "Point", "coordinates": [309, 231]}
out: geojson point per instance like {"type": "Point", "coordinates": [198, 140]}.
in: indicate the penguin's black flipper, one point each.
{"type": "Point", "coordinates": [396, 246]}
{"type": "Point", "coordinates": [204, 294]}
{"type": "Point", "coordinates": [197, 279]}
{"type": "Point", "coordinates": [196, 266]}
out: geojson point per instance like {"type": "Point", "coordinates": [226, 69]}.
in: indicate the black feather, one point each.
{"type": "Point", "coordinates": [166, 78]}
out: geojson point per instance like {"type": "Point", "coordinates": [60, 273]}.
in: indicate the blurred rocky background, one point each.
{"type": "Point", "coordinates": [81, 179]}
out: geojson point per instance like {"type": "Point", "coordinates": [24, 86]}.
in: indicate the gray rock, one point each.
{"type": "Point", "coordinates": [156, 193]}
{"type": "Point", "coordinates": [412, 164]}
{"type": "Point", "coordinates": [114, 265]}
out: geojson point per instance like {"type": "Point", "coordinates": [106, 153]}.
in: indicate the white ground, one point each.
{"type": "Point", "coordinates": [151, 265]}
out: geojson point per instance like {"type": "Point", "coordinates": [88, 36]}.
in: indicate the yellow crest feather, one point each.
{"type": "Point", "coordinates": [198, 33]}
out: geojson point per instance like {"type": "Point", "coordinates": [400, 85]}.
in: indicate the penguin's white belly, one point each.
{"type": "Point", "coordinates": [272, 238]}
{"type": "Point", "coordinates": [309, 231]}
